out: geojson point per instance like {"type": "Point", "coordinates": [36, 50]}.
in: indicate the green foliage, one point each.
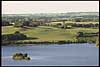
{"type": "Point", "coordinates": [18, 24]}
{"type": "Point", "coordinates": [16, 36]}
{"type": "Point", "coordinates": [65, 32]}
{"type": "Point", "coordinates": [79, 34]}
{"type": "Point", "coordinates": [87, 37]}
{"type": "Point", "coordinates": [97, 41]}
{"type": "Point", "coordinates": [20, 56]}
{"type": "Point", "coordinates": [6, 23]}
{"type": "Point", "coordinates": [47, 34]}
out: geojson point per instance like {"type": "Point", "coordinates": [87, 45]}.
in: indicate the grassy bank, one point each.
{"type": "Point", "coordinates": [47, 35]}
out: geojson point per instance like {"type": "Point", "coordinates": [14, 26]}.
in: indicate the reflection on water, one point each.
{"type": "Point", "coordinates": [4, 57]}
{"type": "Point", "coordinates": [67, 54]}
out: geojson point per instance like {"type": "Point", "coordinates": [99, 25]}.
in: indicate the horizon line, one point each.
{"type": "Point", "coordinates": [48, 13]}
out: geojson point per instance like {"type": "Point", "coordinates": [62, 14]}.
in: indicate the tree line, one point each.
{"type": "Point", "coordinates": [34, 20]}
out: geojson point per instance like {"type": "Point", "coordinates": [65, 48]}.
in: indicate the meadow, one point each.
{"type": "Point", "coordinates": [47, 33]}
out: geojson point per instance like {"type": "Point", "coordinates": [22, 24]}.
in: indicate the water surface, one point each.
{"type": "Point", "coordinates": [53, 55]}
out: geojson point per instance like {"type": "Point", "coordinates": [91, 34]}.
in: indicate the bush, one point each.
{"type": "Point", "coordinates": [20, 56]}
{"type": "Point", "coordinates": [79, 34]}
{"type": "Point", "coordinates": [16, 36]}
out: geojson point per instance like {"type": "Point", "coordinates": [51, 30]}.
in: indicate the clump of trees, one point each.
{"type": "Point", "coordinates": [16, 36]}
{"type": "Point", "coordinates": [27, 23]}
{"type": "Point", "coordinates": [34, 20]}
{"type": "Point", "coordinates": [86, 25]}
{"type": "Point", "coordinates": [87, 37]}
{"type": "Point", "coordinates": [20, 56]}
{"type": "Point", "coordinates": [5, 23]}
{"type": "Point", "coordinates": [86, 18]}
{"type": "Point", "coordinates": [79, 34]}
{"type": "Point", "coordinates": [83, 34]}
{"type": "Point", "coordinates": [73, 25]}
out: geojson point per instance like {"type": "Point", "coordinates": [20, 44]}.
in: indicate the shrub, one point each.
{"type": "Point", "coordinates": [20, 56]}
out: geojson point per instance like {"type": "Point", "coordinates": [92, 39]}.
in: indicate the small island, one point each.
{"type": "Point", "coordinates": [20, 56]}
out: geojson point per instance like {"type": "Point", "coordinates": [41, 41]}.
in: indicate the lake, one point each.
{"type": "Point", "coordinates": [53, 55]}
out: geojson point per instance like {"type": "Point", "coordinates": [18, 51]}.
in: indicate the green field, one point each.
{"type": "Point", "coordinates": [76, 22]}
{"type": "Point", "coordinates": [45, 33]}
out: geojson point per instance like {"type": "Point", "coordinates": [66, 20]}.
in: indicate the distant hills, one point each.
{"type": "Point", "coordinates": [56, 14]}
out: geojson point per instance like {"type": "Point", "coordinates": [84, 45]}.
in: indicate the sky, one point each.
{"type": "Point", "coordinates": [24, 7]}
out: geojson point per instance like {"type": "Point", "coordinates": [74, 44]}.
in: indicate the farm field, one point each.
{"type": "Point", "coordinates": [45, 33]}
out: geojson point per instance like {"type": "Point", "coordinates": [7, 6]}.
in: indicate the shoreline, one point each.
{"type": "Point", "coordinates": [34, 44]}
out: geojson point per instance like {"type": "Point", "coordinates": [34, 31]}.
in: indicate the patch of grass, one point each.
{"type": "Point", "coordinates": [44, 33]}
{"type": "Point", "coordinates": [9, 29]}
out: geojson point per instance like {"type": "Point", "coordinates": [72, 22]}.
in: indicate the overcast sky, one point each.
{"type": "Point", "coordinates": [23, 7]}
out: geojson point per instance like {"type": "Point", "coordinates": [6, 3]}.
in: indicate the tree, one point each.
{"type": "Point", "coordinates": [79, 34]}
{"type": "Point", "coordinates": [16, 36]}
{"type": "Point", "coordinates": [5, 23]}
{"type": "Point", "coordinates": [18, 24]}
{"type": "Point", "coordinates": [26, 23]}
{"type": "Point", "coordinates": [77, 19]}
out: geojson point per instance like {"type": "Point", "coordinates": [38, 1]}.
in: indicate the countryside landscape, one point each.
{"type": "Point", "coordinates": [49, 38]}
{"type": "Point", "coordinates": [80, 27]}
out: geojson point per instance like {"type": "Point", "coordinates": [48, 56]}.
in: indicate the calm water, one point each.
{"type": "Point", "coordinates": [62, 55]}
